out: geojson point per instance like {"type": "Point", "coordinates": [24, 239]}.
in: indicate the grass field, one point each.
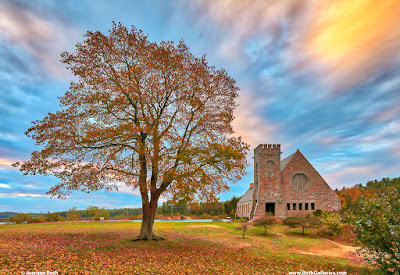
{"type": "Point", "coordinates": [189, 248]}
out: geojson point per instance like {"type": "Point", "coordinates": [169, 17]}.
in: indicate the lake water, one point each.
{"type": "Point", "coordinates": [198, 220]}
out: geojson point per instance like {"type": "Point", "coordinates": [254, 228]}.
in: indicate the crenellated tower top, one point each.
{"type": "Point", "coordinates": [269, 149]}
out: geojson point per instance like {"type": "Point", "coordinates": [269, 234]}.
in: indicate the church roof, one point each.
{"type": "Point", "coordinates": [286, 160]}
{"type": "Point", "coordinates": [248, 196]}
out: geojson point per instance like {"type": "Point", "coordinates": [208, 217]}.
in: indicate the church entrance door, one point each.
{"type": "Point", "coordinates": [270, 208]}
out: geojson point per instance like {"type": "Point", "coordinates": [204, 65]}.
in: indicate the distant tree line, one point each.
{"type": "Point", "coordinates": [168, 208]}
{"type": "Point", "coordinates": [349, 196]}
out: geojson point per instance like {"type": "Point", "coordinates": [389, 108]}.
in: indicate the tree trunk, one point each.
{"type": "Point", "coordinates": [146, 230]}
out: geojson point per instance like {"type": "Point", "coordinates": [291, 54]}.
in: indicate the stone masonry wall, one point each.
{"type": "Point", "coordinates": [317, 191]}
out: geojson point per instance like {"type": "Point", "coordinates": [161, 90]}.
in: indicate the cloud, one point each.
{"type": "Point", "coordinates": [341, 42]}
{"type": "Point", "coordinates": [353, 39]}
{"type": "Point", "coordinates": [5, 186]}
{"type": "Point", "coordinates": [12, 195]}
{"type": "Point", "coordinates": [348, 176]}
{"type": "Point", "coordinates": [249, 124]}
{"type": "Point", "coordinates": [42, 36]}
{"type": "Point", "coordinates": [122, 188]}
{"type": "Point", "coordinates": [5, 164]}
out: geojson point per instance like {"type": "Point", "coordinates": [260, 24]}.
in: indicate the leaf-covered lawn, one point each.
{"type": "Point", "coordinates": [189, 248]}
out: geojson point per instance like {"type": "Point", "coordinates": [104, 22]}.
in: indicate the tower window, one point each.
{"type": "Point", "coordinates": [300, 206]}
{"type": "Point", "coordinates": [306, 206]}
{"type": "Point", "coordinates": [288, 206]}
{"type": "Point", "coordinates": [312, 206]}
{"type": "Point", "coordinates": [270, 167]}
{"type": "Point", "coordinates": [294, 206]}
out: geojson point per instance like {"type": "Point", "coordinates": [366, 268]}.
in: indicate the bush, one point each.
{"type": "Point", "coordinates": [73, 214]}
{"type": "Point", "coordinates": [36, 220]}
{"type": "Point", "coordinates": [318, 213]}
{"type": "Point", "coordinates": [20, 218]}
{"type": "Point", "coordinates": [377, 229]}
{"type": "Point", "coordinates": [96, 212]}
{"type": "Point", "coordinates": [303, 222]}
{"type": "Point", "coordinates": [119, 217]}
{"type": "Point", "coordinates": [332, 222]}
{"type": "Point", "coordinates": [205, 216]}
{"type": "Point", "coordinates": [133, 217]}
{"type": "Point", "coordinates": [52, 217]}
{"type": "Point", "coordinates": [265, 220]}
{"type": "Point", "coordinates": [243, 226]}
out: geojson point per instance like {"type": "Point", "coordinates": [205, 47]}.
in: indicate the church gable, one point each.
{"type": "Point", "coordinates": [302, 184]}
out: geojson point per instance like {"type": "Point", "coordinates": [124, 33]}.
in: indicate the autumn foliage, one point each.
{"type": "Point", "coordinates": [149, 116]}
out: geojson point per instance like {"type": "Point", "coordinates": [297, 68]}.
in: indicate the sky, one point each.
{"type": "Point", "coordinates": [319, 76]}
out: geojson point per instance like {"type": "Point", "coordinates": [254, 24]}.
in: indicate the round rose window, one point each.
{"type": "Point", "coordinates": [299, 181]}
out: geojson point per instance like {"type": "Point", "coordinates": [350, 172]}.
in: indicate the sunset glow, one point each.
{"type": "Point", "coordinates": [351, 32]}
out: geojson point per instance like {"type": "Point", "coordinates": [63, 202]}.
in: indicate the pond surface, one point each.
{"type": "Point", "coordinates": [195, 220]}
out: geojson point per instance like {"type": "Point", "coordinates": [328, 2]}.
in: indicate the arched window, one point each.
{"type": "Point", "coordinates": [299, 181]}
{"type": "Point", "coordinates": [270, 167]}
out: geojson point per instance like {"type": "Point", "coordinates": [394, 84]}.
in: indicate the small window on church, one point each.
{"type": "Point", "coordinates": [294, 206]}
{"type": "Point", "coordinates": [288, 206]}
{"type": "Point", "coordinates": [299, 181]}
{"type": "Point", "coordinates": [312, 206]}
{"type": "Point", "coordinates": [300, 206]}
{"type": "Point", "coordinates": [270, 168]}
{"type": "Point", "coordinates": [306, 206]}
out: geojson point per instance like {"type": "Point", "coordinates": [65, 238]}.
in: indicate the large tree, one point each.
{"type": "Point", "coordinates": [150, 116]}
{"type": "Point", "coordinates": [377, 223]}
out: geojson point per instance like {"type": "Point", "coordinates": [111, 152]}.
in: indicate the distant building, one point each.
{"type": "Point", "coordinates": [285, 188]}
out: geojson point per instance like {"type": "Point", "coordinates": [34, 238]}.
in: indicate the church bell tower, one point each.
{"type": "Point", "coordinates": [267, 179]}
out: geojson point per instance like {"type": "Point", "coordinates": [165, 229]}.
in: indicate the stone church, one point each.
{"type": "Point", "coordinates": [287, 187]}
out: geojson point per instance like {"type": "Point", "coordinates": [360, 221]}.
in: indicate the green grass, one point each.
{"type": "Point", "coordinates": [189, 248]}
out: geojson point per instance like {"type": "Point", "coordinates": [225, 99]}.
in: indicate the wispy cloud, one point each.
{"type": "Point", "coordinates": [41, 35]}
{"type": "Point", "coordinates": [12, 195]}
{"type": "Point", "coordinates": [343, 42]}
{"type": "Point", "coordinates": [6, 164]}
{"type": "Point", "coordinates": [5, 186]}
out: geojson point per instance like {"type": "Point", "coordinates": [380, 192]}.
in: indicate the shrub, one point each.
{"type": "Point", "coordinates": [318, 213]}
{"type": "Point", "coordinates": [119, 217]}
{"type": "Point", "coordinates": [303, 222]}
{"type": "Point", "coordinates": [73, 214]}
{"type": "Point", "coordinates": [96, 212]}
{"type": "Point", "coordinates": [52, 217]}
{"type": "Point", "coordinates": [133, 217]}
{"type": "Point", "coordinates": [243, 226]}
{"type": "Point", "coordinates": [377, 229]}
{"type": "Point", "coordinates": [332, 222]}
{"type": "Point", "coordinates": [20, 218]}
{"type": "Point", "coordinates": [265, 220]}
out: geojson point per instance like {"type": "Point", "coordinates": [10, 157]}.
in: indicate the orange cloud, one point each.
{"type": "Point", "coordinates": [351, 38]}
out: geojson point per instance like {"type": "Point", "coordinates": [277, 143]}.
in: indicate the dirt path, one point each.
{"type": "Point", "coordinates": [340, 250]}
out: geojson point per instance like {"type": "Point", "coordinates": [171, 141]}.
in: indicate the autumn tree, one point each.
{"type": "Point", "coordinates": [377, 222]}
{"type": "Point", "coordinates": [265, 220]}
{"type": "Point", "coordinates": [244, 227]}
{"type": "Point", "coordinates": [73, 214]}
{"type": "Point", "coordinates": [303, 222]}
{"type": "Point", "coordinates": [147, 115]}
